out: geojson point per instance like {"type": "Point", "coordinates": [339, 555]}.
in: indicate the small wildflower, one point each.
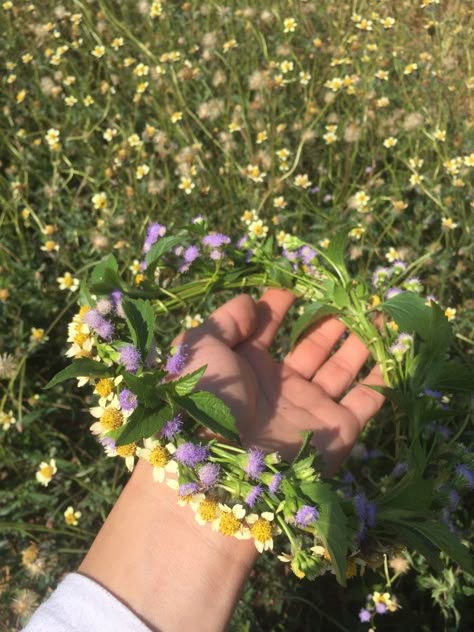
{"type": "Point", "coordinates": [261, 530]}
{"type": "Point", "coordinates": [46, 471]}
{"type": "Point", "coordinates": [68, 282]}
{"type": "Point", "coordinates": [160, 457]}
{"type": "Point", "coordinates": [130, 358]}
{"type": "Point", "coordinates": [191, 454]}
{"type": "Point", "coordinates": [447, 223]}
{"type": "Point", "coordinates": [71, 517]}
{"type": "Point", "coordinates": [255, 463]}
{"type": "Point", "coordinates": [177, 361]}
{"type": "Point", "coordinates": [186, 184]}
{"type": "Point", "coordinates": [209, 474]}
{"type": "Point", "coordinates": [289, 25]}
{"type": "Point", "coordinates": [450, 313]}
{"type": "Point", "coordinates": [253, 495]}
{"type": "Point", "coordinates": [390, 142]}
{"type": "Point", "coordinates": [439, 134]}
{"type": "Point", "coordinates": [302, 181]}
{"type": "Point", "coordinates": [38, 335]}
{"type": "Point", "coordinates": [98, 52]}
{"type": "Point", "coordinates": [306, 515]}
{"type": "Point", "coordinates": [190, 322]}
{"type": "Point", "coordinates": [7, 420]}
{"type": "Point", "coordinates": [142, 171]}
{"type": "Point", "coordinates": [410, 68]}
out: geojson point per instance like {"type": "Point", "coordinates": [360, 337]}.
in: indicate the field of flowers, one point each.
{"type": "Point", "coordinates": [292, 119]}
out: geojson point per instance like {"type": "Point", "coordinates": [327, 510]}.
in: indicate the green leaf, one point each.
{"type": "Point", "coordinates": [334, 253]}
{"type": "Point", "coordinates": [281, 271]}
{"type": "Point", "coordinates": [305, 447]}
{"type": "Point", "coordinates": [146, 387]}
{"type": "Point", "coordinates": [140, 317]}
{"type": "Point", "coordinates": [185, 385]}
{"type": "Point", "coordinates": [341, 297]}
{"type": "Point", "coordinates": [85, 297]}
{"type": "Point", "coordinates": [454, 377]}
{"type": "Point", "coordinates": [312, 314]}
{"type": "Point", "coordinates": [411, 493]}
{"type": "Point", "coordinates": [144, 424]}
{"type": "Point", "coordinates": [410, 313]}
{"type": "Point", "coordinates": [160, 248]}
{"type": "Point", "coordinates": [331, 524]}
{"type": "Point", "coordinates": [431, 537]}
{"type": "Point", "coordinates": [83, 367]}
{"type": "Point", "coordinates": [105, 276]}
{"type": "Point", "coordinates": [210, 412]}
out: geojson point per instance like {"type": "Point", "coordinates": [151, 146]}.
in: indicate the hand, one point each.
{"type": "Point", "coordinates": [274, 401]}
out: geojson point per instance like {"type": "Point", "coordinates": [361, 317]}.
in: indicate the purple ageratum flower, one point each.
{"type": "Point", "coordinates": [130, 357]}
{"type": "Point", "coordinates": [188, 489]}
{"type": "Point", "coordinates": [215, 255]}
{"type": "Point", "coordinates": [116, 297]}
{"type": "Point", "coordinates": [413, 284]}
{"type": "Point", "coordinates": [154, 232]}
{"type": "Point", "coordinates": [102, 327]}
{"type": "Point", "coordinates": [176, 363]}
{"type": "Point", "coordinates": [172, 427]}
{"type": "Point", "coordinates": [399, 470]}
{"type": "Point", "coordinates": [380, 276]}
{"type": "Point", "coordinates": [128, 400]}
{"type": "Point", "coordinates": [314, 190]}
{"type": "Point", "coordinates": [191, 254]}
{"type": "Point", "coordinates": [306, 254]}
{"type": "Point", "coordinates": [253, 495]}
{"type": "Point", "coordinates": [360, 506]}
{"type": "Point", "coordinates": [398, 267]}
{"type": "Point", "coordinates": [391, 292]}
{"type": "Point", "coordinates": [107, 442]}
{"type": "Point", "coordinates": [381, 608]}
{"type": "Point", "coordinates": [209, 474]}
{"type": "Point", "coordinates": [104, 306]}
{"type": "Point", "coordinates": [465, 474]}
{"type": "Point", "coordinates": [275, 483]}
{"type": "Point", "coordinates": [306, 515]}
{"type": "Point", "coordinates": [364, 615]}
{"type": "Point", "coordinates": [191, 454]}
{"type": "Point", "coordinates": [241, 243]}
{"type": "Point", "coordinates": [348, 478]}
{"type": "Point", "coordinates": [215, 240]}
{"type": "Point", "coordinates": [431, 393]}
{"type": "Point", "coordinates": [255, 463]}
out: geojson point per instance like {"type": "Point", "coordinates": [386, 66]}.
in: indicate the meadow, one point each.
{"type": "Point", "coordinates": [293, 119]}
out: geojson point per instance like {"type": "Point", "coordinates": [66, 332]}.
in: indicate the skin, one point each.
{"type": "Point", "coordinates": [150, 553]}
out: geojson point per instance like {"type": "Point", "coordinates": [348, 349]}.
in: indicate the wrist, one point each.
{"type": "Point", "coordinates": [172, 572]}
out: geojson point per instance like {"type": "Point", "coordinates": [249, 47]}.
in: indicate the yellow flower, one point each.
{"type": "Point", "coordinates": [193, 321]}
{"type": "Point", "coordinates": [361, 200]}
{"type": "Point", "coordinates": [447, 223]}
{"type": "Point", "coordinates": [71, 517]}
{"type": "Point", "coordinates": [364, 25]}
{"type": "Point", "coordinates": [233, 127]}
{"type": "Point", "coordinates": [142, 171]}
{"type": "Point", "coordinates": [334, 84]}
{"type": "Point", "coordinates": [410, 68]}
{"type": "Point", "coordinates": [229, 45]}
{"type": "Point", "coordinates": [261, 137]}
{"type": "Point", "coordinates": [415, 179]}
{"type": "Point", "coordinates": [160, 457]}
{"type": "Point", "coordinates": [390, 142]}
{"type": "Point", "coordinates": [7, 420]}
{"type": "Point", "coordinates": [99, 200]}
{"type": "Point", "coordinates": [450, 313]}
{"type": "Point", "coordinates": [302, 180]}
{"type": "Point", "coordinates": [253, 173]}
{"type": "Point", "coordinates": [46, 471]}
{"type": "Point", "coordinates": [21, 96]}
{"type": "Point", "coordinates": [382, 75]}
{"type": "Point", "coordinates": [68, 282]}
{"type": "Point", "coordinates": [98, 51]}
{"type": "Point", "coordinates": [439, 134]}
{"type": "Point", "coordinates": [357, 232]}
{"type": "Point", "coordinates": [383, 102]}
{"type": "Point", "coordinates": [324, 243]}
{"type": "Point", "coordinates": [305, 78]}
{"type": "Point", "coordinates": [229, 522]}
{"type": "Point", "coordinates": [469, 160]}
{"type": "Point", "coordinates": [261, 530]}
{"type": "Point", "coordinates": [393, 255]}
{"type": "Point", "coordinates": [258, 229]}
{"type": "Point", "coordinates": [176, 116]}
{"type": "Point", "coordinates": [88, 100]}
{"type": "Point", "coordinates": [249, 216]}
{"type": "Point", "coordinates": [70, 101]}
{"type": "Point", "coordinates": [286, 66]}
{"type": "Point", "coordinates": [186, 184]}
{"type": "Point", "coordinates": [4, 294]}
{"type": "Point", "coordinates": [280, 202]}
{"type": "Point", "coordinates": [117, 43]}
{"type": "Point", "coordinates": [289, 25]}
{"type": "Point", "coordinates": [37, 335]}
{"type": "Point", "coordinates": [156, 9]}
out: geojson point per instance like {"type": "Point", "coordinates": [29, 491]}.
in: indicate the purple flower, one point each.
{"type": "Point", "coordinates": [306, 515]}
{"type": "Point", "coordinates": [453, 500]}
{"type": "Point", "coordinates": [364, 615]}
{"type": "Point", "coordinates": [104, 306]}
{"type": "Point", "coordinates": [188, 489]}
{"type": "Point", "coordinates": [107, 442]}
{"type": "Point", "coordinates": [172, 427]}
{"type": "Point", "coordinates": [130, 357]}
{"type": "Point", "coordinates": [466, 475]}
{"type": "Point", "coordinates": [255, 462]}
{"type": "Point", "coordinates": [391, 292]}
{"type": "Point", "coordinates": [399, 267]}
{"type": "Point", "coordinates": [215, 255]}
{"type": "Point", "coordinates": [381, 608]}
{"type": "Point", "coordinates": [431, 393]}
{"type": "Point", "coordinates": [242, 242]}
{"type": "Point", "coordinates": [176, 363]}
{"type": "Point", "coordinates": [215, 240]}
{"type": "Point", "coordinates": [380, 276]}
{"type": "Point", "coordinates": [275, 483]}
{"type": "Point", "coordinates": [314, 190]}
{"type": "Point", "coordinates": [371, 514]}
{"type": "Point", "coordinates": [360, 506]}
{"type": "Point", "coordinates": [209, 474]}
{"type": "Point", "coordinates": [99, 324]}
{"type": "Point", "coordinates": [116, 297]}
{"type": "Point", "coordinates": [399, 470]}
{"type": "Point", "coordinates": [191, 453]}
{"type": "Point", "coordinates": [348, 478]}
{"type": "Point", "coordinates": [128, 400]}
{"type": "Point", "coordinates": [253, 495]}
{"type": "Point", "coordinates": [190, 254]}
{"type": "Point", "coordinates": [154, 232]}
{"type": "Point", "coordinates": [306, 254]}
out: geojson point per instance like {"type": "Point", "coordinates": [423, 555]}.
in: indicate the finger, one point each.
{"type": "Point", "coordinates": [363, 402]}
{"type": "Point", "coordinates": [339, 372]}
{"type": "Point", "coordinates": [230, 323]}
{"type": "Point", "coordinates": [271, 310]}
{"type": "Point", "coordinates": [309, 354]}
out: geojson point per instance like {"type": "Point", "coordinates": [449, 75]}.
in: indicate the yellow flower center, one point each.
{"type": "Point", "coordinates": [29, 555]}
{"type": "Point", "coordinates": [126, 450]}
{"type": "Point", "coordinates": [159, 456]}
{"type": "Point", "coordinates": [70, 518]}
{"type": "Point", "coordinates": [83, 311]}
{"type": "Point", "coordinates": [261, 530]}
{"type": "Point", "coordinates": [104, 386]}
{"type": "Point", "coordinates": [229, 524]}
{"type": "Point", "coordinates": [111, 419]}
{"type": "Point", "coordinates": [47, 471]}
{"type": "Point", "coordinates": [208, 509]}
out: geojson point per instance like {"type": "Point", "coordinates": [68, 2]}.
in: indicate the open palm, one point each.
{"type": "Point", "coordinates": [273, 402]}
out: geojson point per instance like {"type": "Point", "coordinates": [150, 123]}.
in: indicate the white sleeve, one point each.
{"type": "Point", "coordinates": [81, 605]}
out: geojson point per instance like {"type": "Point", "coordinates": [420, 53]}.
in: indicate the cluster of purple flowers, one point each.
{"type": "Point", "coordinates": [100, 325]}
{"type": "Point", "coordinates": [366, 513]}
{"type": "Point", "coordinates": [130, 358]}
{"type": "Point", "coordinates": [176, 362]}
{"type": "Point", "coordinates": [154, 232]}
{"type": "Point", "coordinates": [215, 241]}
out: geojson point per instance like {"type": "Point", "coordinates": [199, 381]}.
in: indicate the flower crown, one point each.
{"type": "Point", "coordinates": [149, 407]}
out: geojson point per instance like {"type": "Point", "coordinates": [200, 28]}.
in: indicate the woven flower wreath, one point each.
{"type": "Point", "coordinates": [149, 407]}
